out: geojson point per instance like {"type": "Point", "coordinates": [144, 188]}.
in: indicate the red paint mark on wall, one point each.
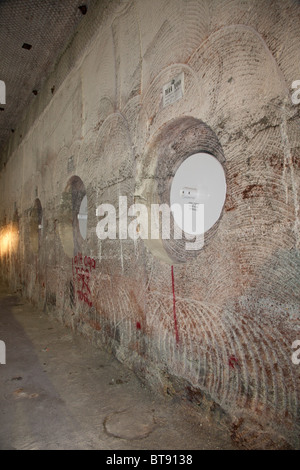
{"type": "Point", "coordinates": [138, 325]}
{"type": "Point", "coordinates": [82, 270]}
{"type": "Point", "coordinates": [233, 361]}
{"type": "Point", "coordinates": [174, 306]}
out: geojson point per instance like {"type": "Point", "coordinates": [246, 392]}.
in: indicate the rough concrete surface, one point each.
{"type": "Point", "coordinates": [214, 328]}
{"type": "Point", "coordinates": [60, 392]}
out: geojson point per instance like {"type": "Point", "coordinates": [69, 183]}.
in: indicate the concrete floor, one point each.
{"type": "Point", "coordinates": [59, 392]}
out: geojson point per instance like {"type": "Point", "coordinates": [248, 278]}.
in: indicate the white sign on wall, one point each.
{"type": "Point", "coordinates": [173, 90]}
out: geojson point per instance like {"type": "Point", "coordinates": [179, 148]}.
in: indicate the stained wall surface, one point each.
{"type": "Point", "coordinates": [214, 326]}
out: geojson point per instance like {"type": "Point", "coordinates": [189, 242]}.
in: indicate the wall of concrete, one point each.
{"type": "Point", "coordinates": [215, 327]}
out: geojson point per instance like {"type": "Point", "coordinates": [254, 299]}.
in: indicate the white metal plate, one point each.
{"type": "Point", "coordinates": [200, 179]}
{"type": "Point", "coordinates": [82, 217]}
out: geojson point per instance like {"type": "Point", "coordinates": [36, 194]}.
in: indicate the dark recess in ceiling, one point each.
{"type": "Point", "coordinates": [33, 35]}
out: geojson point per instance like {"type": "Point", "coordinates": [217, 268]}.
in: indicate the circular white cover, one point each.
{"type": "Point", "coordinates": [82, 218]}
{"type": "Point", "coordinates": [200, 179]}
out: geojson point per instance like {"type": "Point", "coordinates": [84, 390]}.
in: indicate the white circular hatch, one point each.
{"type": "Point", "coordinates": [198, 191]}
{"type": "Point", "coordinates": [82, 217]}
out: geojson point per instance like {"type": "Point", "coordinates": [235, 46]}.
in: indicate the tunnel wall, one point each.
{"type": "Point", "coordinates": [215, 328]}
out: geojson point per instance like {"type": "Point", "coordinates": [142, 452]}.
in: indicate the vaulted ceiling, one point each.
{"type": "Point", "coordinates": [33, 35]}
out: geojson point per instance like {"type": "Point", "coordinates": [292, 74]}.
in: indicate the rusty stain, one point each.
{"type": "Point", "coordinates": [252, 190]}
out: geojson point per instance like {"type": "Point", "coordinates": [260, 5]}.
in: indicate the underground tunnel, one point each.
{"type": "Point", "coordinates": [149, 224]}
